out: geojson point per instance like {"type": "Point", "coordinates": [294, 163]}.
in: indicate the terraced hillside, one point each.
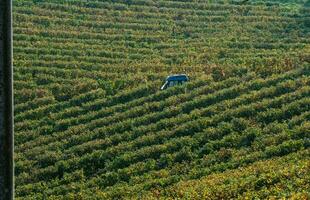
{"type": "Point", "coordinates": [91, 123]}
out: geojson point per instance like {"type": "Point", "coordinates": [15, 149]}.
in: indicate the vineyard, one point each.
{"type": "Point", "coordinates": [91, 122]}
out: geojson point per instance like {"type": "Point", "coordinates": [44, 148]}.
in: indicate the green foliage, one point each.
{"type": "Point", "coordinates": [91, 123]}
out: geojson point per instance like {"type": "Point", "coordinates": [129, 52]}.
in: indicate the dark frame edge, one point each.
{"type": "Point", "coordinates": [8, 113]}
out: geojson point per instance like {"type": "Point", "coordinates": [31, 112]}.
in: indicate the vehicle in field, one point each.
{"type": "Point", "coordinates": [173, 80]}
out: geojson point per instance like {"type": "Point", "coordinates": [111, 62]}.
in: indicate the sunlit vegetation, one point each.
{"type": "Point", "coordinates": [91, 123]}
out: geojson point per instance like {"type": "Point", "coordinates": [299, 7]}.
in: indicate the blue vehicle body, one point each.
{"type": "Point", "coordinates": [174, 80]}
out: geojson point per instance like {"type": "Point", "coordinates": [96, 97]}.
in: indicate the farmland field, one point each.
{"type": "Point", "coordinates": [91, 122]}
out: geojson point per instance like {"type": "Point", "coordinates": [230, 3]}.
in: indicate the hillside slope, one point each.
{"type": "Point", "coordinates": [91, 123]}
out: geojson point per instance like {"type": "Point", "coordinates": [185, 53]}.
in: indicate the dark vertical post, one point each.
{"type": "Point", "coordinates": [6, 102]}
